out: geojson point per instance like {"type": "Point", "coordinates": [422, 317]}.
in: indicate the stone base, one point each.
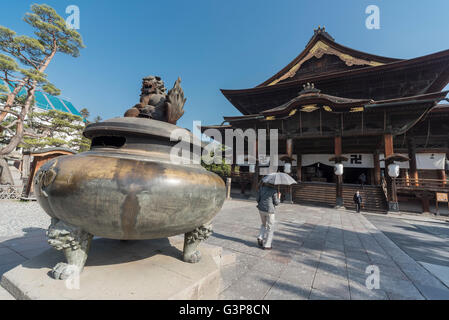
{"type": "Point", "coordinates": [145, 269]}
{"type": "Point", "coordinates": [339, 204]}
{"type": "Point", "coordinates": [393, 206]}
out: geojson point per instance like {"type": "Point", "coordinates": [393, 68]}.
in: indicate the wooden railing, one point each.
{"type": "Point", "coordinates": [422, 184]}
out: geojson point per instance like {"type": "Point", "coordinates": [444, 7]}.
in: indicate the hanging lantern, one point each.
{"type": "Point", "coordinates": [338, 169]}
{"type": "Point", "coordinates": [287, 167]}
{"type": "Point", "coordinates": [393, 170]}
{"type": "Point", "coordinates": [252, 168]}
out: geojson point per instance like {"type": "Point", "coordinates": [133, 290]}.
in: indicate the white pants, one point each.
{"type": "Point", "coordinates": [266, 228]}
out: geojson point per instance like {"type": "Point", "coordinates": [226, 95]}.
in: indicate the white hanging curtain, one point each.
{"type": "Point", "coordinates": [355, 160]}
{"type": "Point", "coordinates": [430, 161]}
{"type": "Point", "coordinates": [424, 161]}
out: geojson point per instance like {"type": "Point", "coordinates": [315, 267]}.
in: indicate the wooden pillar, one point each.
{"type": "Point", "coordinates": [337, 146]}
{"type": "Point", "coordinates": [388, 140]}
{"type": "Point", "coordinates": [299, 167]}
{"type": "Point", "coordinates": [425, 205]}
{"type": "Point", "coordinates": [407, 178]}
{"type": "Point", "coordinates": [391, 183]}
{"type": "Point", "coordinates": [289, 147]}
{"type": "Point", "coordinates": [425, 200]}
{"type": "Point", "coordinates": [339, 179]}
{"type": "Point", "coordinates": [443, 177]}
{"type": "Point", "coordinates": [242, 185]}
{"type": "Point", "coordinates": [377, 175]}
{"type": "Point", "coordinates": [412, 155]}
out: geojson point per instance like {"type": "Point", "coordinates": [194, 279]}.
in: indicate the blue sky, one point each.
{"type": "Point", "coordinates": [214, 44]}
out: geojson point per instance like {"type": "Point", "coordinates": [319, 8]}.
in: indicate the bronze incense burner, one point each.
{"type": "Point", "coordinates": [127, 187]}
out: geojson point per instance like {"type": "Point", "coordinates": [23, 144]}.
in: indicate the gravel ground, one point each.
{"type": "Point", "coordinates": [17, 218]}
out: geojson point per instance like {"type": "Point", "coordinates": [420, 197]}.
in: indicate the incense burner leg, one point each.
{"type": "Point", "coordinates": [74, 243]}
{"type": "Point", "coordinates": [192, 240]}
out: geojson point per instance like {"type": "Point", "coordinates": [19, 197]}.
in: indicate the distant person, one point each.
{"type": "Point", "coordinates": [357, 201]}
{"type": "Point", "coordinates": [267, 199]}
{"type": "Point", "coordinates": [362, 179]}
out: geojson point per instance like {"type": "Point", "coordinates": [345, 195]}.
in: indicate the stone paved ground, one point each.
{"type": "Point", "coordinates": [318, 253]}
{"type": "Point", "coordinates": [423, 241]}
{"type": "Point", "coordinates": [20, 217]}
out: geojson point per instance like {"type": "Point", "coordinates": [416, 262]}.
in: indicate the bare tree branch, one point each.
{"type": "Point", "coordinates": [10, 125]}
{"type": "Point", "coordinates": [33, 134]}
{"type": "Point", "coordinates": [11, 112]}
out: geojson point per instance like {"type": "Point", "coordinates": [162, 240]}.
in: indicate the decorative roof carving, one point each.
{"type": "Point", "coordinates": [309, 88]}
{"type": "Point", "coordinates": [323, 32]}
{"type": "Point", "coordinates": [317, 51]}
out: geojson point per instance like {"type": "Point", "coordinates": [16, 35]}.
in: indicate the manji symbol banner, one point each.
{"type": "Point", "coordinates": [424, 161]}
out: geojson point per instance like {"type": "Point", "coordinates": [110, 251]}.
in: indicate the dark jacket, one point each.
{"type": "Point", "coordinates": [267, 198]}
{"type": "Point", "coordinates": [357, 198]}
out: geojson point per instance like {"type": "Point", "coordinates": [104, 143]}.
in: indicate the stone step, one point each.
{"type": "Point", "coordinates": [5, 295]}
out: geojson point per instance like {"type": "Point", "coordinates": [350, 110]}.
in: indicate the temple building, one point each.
{"type": "Point", "coordinates": [347, 118]}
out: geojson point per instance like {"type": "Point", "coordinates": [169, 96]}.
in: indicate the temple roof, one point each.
{"type": "Point", "coordinates": [311, 99]}
{"type": "Point", "coordinates": [320, 44]}
{"type": "Point", "coordinates": [344, 72]}
{"type": "Point", "coordinates": [311, 95]}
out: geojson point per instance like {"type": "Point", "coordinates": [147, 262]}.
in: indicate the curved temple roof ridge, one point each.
{"type": "Point", "coordinates": [338, 104]}
{"type": "Point", "coordinates": [323, 43]}
{"type": "Point", "coordinates": [343, 72]}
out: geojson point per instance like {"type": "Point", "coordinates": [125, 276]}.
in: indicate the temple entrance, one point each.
{"type": "Point", "coordinates": [318, 172]}
{"type": "Point", "coordinates": [352, 175]}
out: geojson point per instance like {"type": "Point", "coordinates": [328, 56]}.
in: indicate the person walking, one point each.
{"type": "Point", "coordinates": [362, 179]}
{"type": "Point", "coordinates": [357, 201]}
{"type": "Point", "coordinates": [267, 198]}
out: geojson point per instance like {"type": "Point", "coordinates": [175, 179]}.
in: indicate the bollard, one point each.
{"type": "Point", "coordinates": [228, 188]}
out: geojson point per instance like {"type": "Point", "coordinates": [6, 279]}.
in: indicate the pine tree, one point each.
{"type": "Point", "coordinates": [85, 114]}
{"type": "Point", "coordinates": [55, 128]}
{"type": "Point", "coordinates": [24, 64]}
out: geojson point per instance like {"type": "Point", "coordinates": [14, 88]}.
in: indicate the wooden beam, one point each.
{"type": "Point", "coordinates": [377, 175]}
